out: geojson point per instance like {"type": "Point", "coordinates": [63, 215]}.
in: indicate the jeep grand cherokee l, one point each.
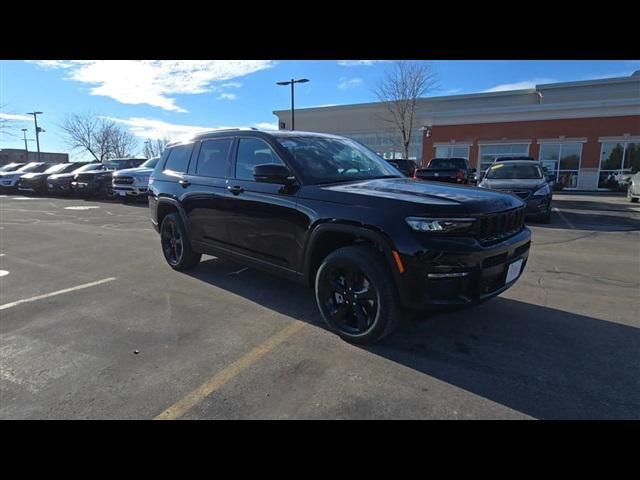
{"type": "Point", "coordinates": [327, 212]}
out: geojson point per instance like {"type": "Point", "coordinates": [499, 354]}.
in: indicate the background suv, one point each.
{"type": "Point", "coordinates": [133, 182]}
{"type": "Point", "coordinates": [327, 212]}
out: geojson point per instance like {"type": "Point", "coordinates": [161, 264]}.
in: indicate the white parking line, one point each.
{"type": "Point", "coordinates": [59, 292]}
{"type": "Point", "coordinates": [564, 219]}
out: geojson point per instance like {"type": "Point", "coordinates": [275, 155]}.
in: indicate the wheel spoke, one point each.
{"type": "Point", "coordinates": [338, 315]}
{"type": "Point", "coordinates": [366, 293]}
{"type": "Point", "coordinates": [361, 317]}
{"type": "Point", "coordinates": [336, 286]}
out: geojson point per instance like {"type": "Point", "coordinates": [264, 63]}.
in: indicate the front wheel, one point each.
{"type": "Point", "coordinates": [356, 295]}
{"type": "Point", "coordinates": [176, 246]}
{"type": "Point", "coordinates": [630, 196]}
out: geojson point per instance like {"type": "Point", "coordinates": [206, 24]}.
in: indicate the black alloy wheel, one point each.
{"type": "Point", "coordinates": [172, 242]}
{"type": "Point", "coordinates": [351, 299]}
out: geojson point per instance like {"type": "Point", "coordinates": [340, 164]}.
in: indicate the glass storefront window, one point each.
{"type": "Point", "coordinates": [562, 162]}
{"type": "Point", "coordinates": [618, 161]}
{"type": "Point", "coordinates": [452, 152]}
{"type": "Point", "coordinates": [488, 153]}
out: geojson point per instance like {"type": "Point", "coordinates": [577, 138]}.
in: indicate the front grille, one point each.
{"type": "Point", "coordinates": [123, 180]}
{"type": "Point", "coordinates": [523, 194]}
{"type": "Point", "coordinates": [497, 226]}
{"type": "Point", "coordinates": [85, 177]}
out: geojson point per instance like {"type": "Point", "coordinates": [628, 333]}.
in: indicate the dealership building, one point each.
{"type": "Point", "coordinates": [20, 155]}
{"type": "Point", "coordinates": [586, 132]}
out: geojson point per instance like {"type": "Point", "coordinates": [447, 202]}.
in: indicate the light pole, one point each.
{"type": "Point", "coordinates": [38, 130]}
{"type": "Point", "coordinates": [291, 82]}
{"type": "Point", "coordinates": [26, 149]}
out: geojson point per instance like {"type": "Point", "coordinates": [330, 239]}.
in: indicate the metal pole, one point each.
{"type": "Point", "coordinates": [293, 123]}
{"type": "Point", "coordinates": [26, 149]}
{"type": "Point", "coordinates": [35, 119]}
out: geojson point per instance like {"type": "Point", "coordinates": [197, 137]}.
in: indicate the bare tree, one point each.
{"type": "Point", "coordinates": [400, 88]}
{"type": "Point", "coordinates": [99, 137]}
{"type": "Point", "coordinates": [154, 148]}
{"type": "Point", "coordinates": [7, 124]}
{"type": "Point", "coordinates": [123, 142]}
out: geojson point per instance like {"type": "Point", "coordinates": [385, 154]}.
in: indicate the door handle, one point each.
{"type": "Point", "coordinates": [184, 183]}
{"type": "Point", "coordinates": [236, 189]}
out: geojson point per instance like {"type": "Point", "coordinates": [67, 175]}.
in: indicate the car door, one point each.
{"type": "Point", "coordinates": [205, 192]}
{"type": "Point", "coordinates": [262, 215]}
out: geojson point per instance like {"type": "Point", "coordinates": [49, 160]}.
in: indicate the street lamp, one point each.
{"type": "Point", "coordinates": [291, 82]}
{"type": "Point", "coordinates": [38, 129]}
{"type": "Point", "coordinates": [26, 149]}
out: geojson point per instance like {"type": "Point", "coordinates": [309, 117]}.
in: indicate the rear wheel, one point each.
{"type": "Point", "coordinates": [176, 246]}
{"type": "Point", "coordinates": [356, 295]}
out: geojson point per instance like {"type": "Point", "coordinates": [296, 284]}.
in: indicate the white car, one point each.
{"type": "Point", "coordinates": [9, 180]}
{"type": "Point", "coordinates": [633, 191]}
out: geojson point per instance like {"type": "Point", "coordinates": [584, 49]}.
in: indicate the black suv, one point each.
{"type": "Point", "coordinates": [98, 181]}
{"type": "Point", "coordinates": [326, 211]}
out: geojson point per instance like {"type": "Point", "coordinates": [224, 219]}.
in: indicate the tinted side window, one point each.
{"type": "Point", "coordinates": [252, 152]}
{"type": "Point", "coordinates": [178, 160]}
{"type": "Point", "coordinates": [212, 159]}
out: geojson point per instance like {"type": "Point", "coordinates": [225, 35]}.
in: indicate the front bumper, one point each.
{"type": "Point", "coordinates": [85, 187]}
{"type": "Point", "coordinates": [539, 205]}
{"type": "Point", "coordinates": [130, 190]}
{"type": "Point", "coordinates": [484, 270]}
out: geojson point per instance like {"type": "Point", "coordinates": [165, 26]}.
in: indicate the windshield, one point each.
{"type": "Point", "coordinates": [10, 167]}
{"type": "Point", "coordinates": [151, 163]}
{"type": "Point", "coordinates": [30, 167]}
{"type": "Point", "coordinates": [57, 168]}
{"type": "Point", "coordinates": [122, 164]}
{"type": "Point", "coordinates": [88, 168]}
{"type": "Point", "coordinates": [331, 160]}
{"type": "Point", "coordinates": [503, 171]}
{"type": "Point", "coordinates": [450, 163]}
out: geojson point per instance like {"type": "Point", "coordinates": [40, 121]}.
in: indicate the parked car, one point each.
{"type": "Point", "coordinates": [9, 180]}
{"type": "Point", "coordinates": [36, 182]}
{"type": "Point", "coordinates": [133, 182]}
{"type": "Point", "coordinates": [324, 211]}
{"type": "Point", "coordinates": [98, 182]}
{"type": "Point", "coordinates": [408, 167]}
{"type": "Point", "coordinates": [61, 182]}
{"type": "Point", "coordinates": [517, 157]}
{"type": "Point", "coordinates": [453, 170]}
{"type": "Point", "coordinates": [525, 180]}
{"type": "Point", "coordinates": [633, 190]}
{"type": "Point", "coordinates": [11, 167]}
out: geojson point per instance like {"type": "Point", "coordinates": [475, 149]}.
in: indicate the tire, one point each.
{"type": "Point", "coordinates": [370, 290]}
{"type": "Point", "coordinates": [630, 196]}
{"type": "Point", "coordinates": [178, 254]}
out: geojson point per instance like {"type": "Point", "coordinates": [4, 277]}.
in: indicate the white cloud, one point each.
{"type": "Point", "coordinates": [453, 91]}
{"type": "Point", "coordinates": [151, 128]}
{"type": "Point", "coordinates": [14, 117]}
{"type": "Point", "coordinates": [227, 96]}
{"type": "Point", "coordinates": [520, 85]}
{"type": "Point", "coordinates": [155, 82]}
{"type": "Point", "coordinates": [346, 83]}
{"type": "Point", "coordinates": [266, 125]}
{"type": "Point", "coordinates": [357, 63]}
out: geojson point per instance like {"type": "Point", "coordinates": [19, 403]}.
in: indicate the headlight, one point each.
{"type": "Point", "coordinates": [440, 225]}
{"type": "Point", "coordinates": [544, 190]}
{"type": "Point", "coordinates": [142, 180]}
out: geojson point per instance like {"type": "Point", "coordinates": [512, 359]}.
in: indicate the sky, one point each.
{"type": "Point", "coordinates": [155, 99]}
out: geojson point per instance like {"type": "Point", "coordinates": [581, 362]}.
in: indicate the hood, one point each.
{"type": "Point", "coordinates": [11, 174]}
{"type": "Point", "coordinates": [133, 172]}
{"type": "Point", "coordinates": [444, 198]}
{"type": "Point", "coordinates": [94, 173]}
{"type": "Point", "coordinates": [514, 184]}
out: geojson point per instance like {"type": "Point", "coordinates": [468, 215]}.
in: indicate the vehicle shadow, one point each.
{"type": "Point", "coordinates": [543, 362]}
{"type": "Point", "coordinates": [569, 203]}
{"type": "Point", "coordinates": [569, 219]}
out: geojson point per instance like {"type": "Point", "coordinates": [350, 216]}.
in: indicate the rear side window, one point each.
{"type": "Point", "coordinates": [178, 160]}
{"type": "Point", "coordinates": [212, 159]}
{"type": "Point", "coordinates": [252, 152]}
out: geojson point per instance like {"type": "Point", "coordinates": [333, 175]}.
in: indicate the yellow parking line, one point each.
{"type": "Point", "coordinates": [190, 400]}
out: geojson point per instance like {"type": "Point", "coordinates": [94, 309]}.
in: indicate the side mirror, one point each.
{"type": "Point", "coordinates": [273, 173]}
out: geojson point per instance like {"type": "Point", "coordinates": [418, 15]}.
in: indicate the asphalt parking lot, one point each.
{"type": "Point", "coordinates": [84, 287]}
